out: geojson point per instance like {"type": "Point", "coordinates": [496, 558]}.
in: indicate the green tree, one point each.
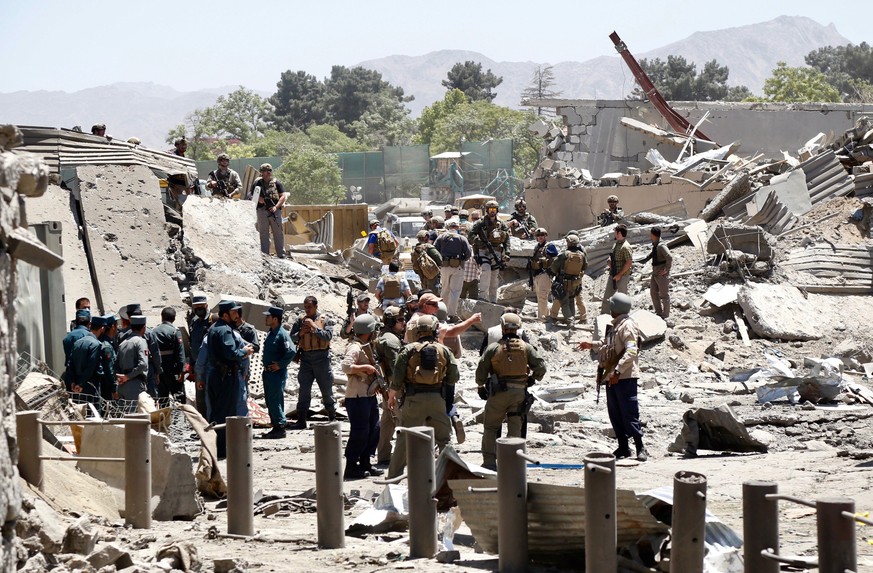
{"type": "Point", "coordinates": [273, 143]}
{"type": "Point", "coordinates": [350, 92]}
{"type": "Point", "coordinates": [297, 103]}
{"type": "Point", "coordinates": [678, 80]}
{"type": "Point", "coordinates": [470, 79]}
{"type": "Point", "coordinates": [798, 85]}
{"type": "Point", "coordinates": [432, 114]}
{"type": "Point", "coordinates": [848, 68]}
{"type": "Point", "coordinates": [311, 176]}
{"type": "Point", "coordinates": [384, 124]}
{"type": "Point", "coordinates": [241, 114]}
{"type": "Point", "coordinates": [330, 139]}
{"type": "Point", "coordinates": [197, 129]}
{"type": "Point", "coordinates": [482, 121]}
{"type": "Point", "coordinates": [540, 87]}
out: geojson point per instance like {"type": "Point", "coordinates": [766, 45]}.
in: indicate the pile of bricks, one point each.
{"type": "Point", "coordinates": [557, 169]}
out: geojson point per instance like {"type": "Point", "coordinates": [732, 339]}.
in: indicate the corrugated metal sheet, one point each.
{"type": "Point", "coordinates": [717, 533]}
{"type": "Point", "coordinates": [844, 269]}
{"type": "Point", "coordinates": [864, 185]}
{"type": "Point", "coordinates": [61, 148]}
{"type": "Point", "coordinates": [556, 517]}
{"type": "Point", "coordinates": [774, 217]}
{"type": "Point", "coordinates": [826, 177]}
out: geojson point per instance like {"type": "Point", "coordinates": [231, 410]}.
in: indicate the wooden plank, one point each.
{"type": "Point", "coordinates": [744, 330]}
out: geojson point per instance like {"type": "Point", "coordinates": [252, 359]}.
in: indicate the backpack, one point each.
{"type": "Point", "coordinates": [573, 263]}
{"type": "Point", "coordinates": [453, 247]}
{"type": "Point", "coordinates": [385, 241]}
{"type": "Point", "coordinates": [423, 263]}
{"type": "Point", "coordinates": [391, 287]}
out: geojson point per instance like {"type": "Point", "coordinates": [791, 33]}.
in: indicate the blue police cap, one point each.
{"type": "Point", "coordinates": [97, 321]}
{"type": "Point", "coordinates": [83, 314]}
{"type": "Point", "coordinates": [199, 299]}
{"type": "Point", "coordinates": [275, 311]}
{"type": "Point", "coordinates": [110, 320]}
{"type": "Point", "coordinates": [134, 308]}
{"type": "Point", "coordinates": [227, 306]}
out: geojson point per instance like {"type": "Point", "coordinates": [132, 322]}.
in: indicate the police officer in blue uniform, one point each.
{"type": "Point", "coordinates": [279, 351]}
{"type": "Point", "coordinates": [83, 321]}
{"type": "Point", "coordinates": [89, 368]}
{"type": "Point", "coordinates": [198, 323]}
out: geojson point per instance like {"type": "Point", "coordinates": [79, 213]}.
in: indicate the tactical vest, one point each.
{"type": "Point", "coordinates": [510, 360]}
{"type": "Point", "coordinates": [310, 341]}
{"type": "Point", "coordinates": [497, 235]}
{"type": "Point", "coordinates": [271, 191]}
{"type": "Point", "coordinates": [573, 263]}
{"type": "Point", "coordinates": [391, 287]}
{"type": "Point", "coordinates": [427, 364]}
{"type": "Point", "coordinates": [539, 261]}
{"type": "Point", "coordinates": [452, 247]}
{"type": "Point", "coordinates": [385, 242]}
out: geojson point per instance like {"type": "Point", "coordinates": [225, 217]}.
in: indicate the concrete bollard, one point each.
{"type": "Point", "coordinates": [511, 506]}
{"type": "Point", "coordinates": [29, 437]}
{"type": "Point", "coordinates": [240, 497]}
{"type": "Point", "coordinates": [601, 524]}
{"type": "Point", "coordinates": [329, 485]}
{"type": "Point", "coordinates": [836, 535]}
{"type": "Point", "coordinates": [760, 526]}
{"type": "Point", "coordinates": [422, 505]}
{"type": "Point", "coordinates": [138, 471]}
{"type": "Point", "coordinates": [689, 523]}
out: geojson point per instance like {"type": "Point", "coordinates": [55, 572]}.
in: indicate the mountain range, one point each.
{"type": "Point", "coordinates": [149, 111]}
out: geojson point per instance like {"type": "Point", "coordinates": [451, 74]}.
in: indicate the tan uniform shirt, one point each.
{"type": "Point", "coordinates": [623, 337]}
{"type": "Point", "coordinates": [356, 354]}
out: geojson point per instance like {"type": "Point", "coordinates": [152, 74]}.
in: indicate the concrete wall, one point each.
{"type": "Point", "coordinates": [597, 141]}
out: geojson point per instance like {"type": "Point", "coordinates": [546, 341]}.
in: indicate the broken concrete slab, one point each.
{"type": "Point", "coordinates": [222, 234]}
{"type": "Point", "coordinates": [513, 294]}
{"type": "Point", "coordinates": [174, 494]}
{"type": "Point", "coordinates": [738, 187]}
{"type": "Point", "coordinates": [110, 554]}
{"type": "Point", "coordinates": [790, 189]}
{"type": "Point", "coordinates": [65, 488]}
{"type": "Point", "coordinates": [652, 326]}
{"type": "Point", "coordinates": [253, 309]}
{"type": "Point", "coordinates": [745, 238]}
{"type": "Point", "coordinates": [81, 537]}
{"type": "Point", "coordinates": [720, 294]}
{"type": "Point", "coordinates": [778, 312]}
{"type": "Point", "coordinates": [491, 313]}
{"type": "Point", "coordinates": [125, 228]}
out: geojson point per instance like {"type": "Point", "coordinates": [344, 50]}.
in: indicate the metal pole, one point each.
{"type": "Point", "coordinates": [689, 522]}
{"type": "Point", "coordinates": [29, 433]}
{"type": "Point", "coordinates": [836, 535]}
{"type": "Point", "coordinates": [422, 505]}
{"type": "Point", "coordinates": [329, 485]}
{"type": "Point", "coordinates": [240, 498]}
{"type": "Point", "coordinates": [138, 473]}
{"type": "Point", "coordinates": [511, 506]}
{"type": "Point", "coordinates": [760, 526]}
{"type": "Point", "coordinates": [600, 514]}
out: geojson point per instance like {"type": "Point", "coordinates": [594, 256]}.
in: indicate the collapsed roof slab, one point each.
{"type": "Point", "coordinates": [779, 312]}
{"type": "Point", "coordinates": [222, 234]}
{"type": "Point", "coordinates": [55, 205]}
{"type": "Point", "coordinates": [125, 230]}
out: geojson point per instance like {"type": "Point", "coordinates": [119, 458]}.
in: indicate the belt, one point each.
{"type": "Point", "coordinates": [425, 388]}
{"type": "Point", "coordinates": [167, 352]}
{"type": "Point", "coordinates": [571, 277]}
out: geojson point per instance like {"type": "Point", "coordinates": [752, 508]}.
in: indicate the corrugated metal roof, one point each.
{"type": "Point", "coordinates": [826, 177]}
{"type": "Point", "coordinates": [556, 517]}
{"type": "Point", "coordinates": [61, 148]}
{"type": "Point", "coordinates": [842, 268]}
{"type": "Point", "coordinates": [774, 217]}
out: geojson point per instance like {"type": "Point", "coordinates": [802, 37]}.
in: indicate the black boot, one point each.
{"type": "Point", "coordinates": [331, 415]}
{"type": "Point", "coordinates": [371, 471]}
{"type": "Point", "coordinates": [353, 472]}
{"type": "Point", "coordinates": [623, 450]}
{"type": "Point", "coordinates": [300, 424]}
{"type": "Point", "coordinates": [277, 433]}
{"type": "Point", "coordinates": [642, 454]}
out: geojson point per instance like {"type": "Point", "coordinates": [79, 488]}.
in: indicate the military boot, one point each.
{"type": "Point", "coordinates": [642, 454]}
{"type": "Point", "coordinates": [300, 424]}
{"type": "Point", "coordinates": [623, 450]}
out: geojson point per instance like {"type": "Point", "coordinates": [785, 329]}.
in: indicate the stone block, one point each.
{"type": "Point", "coordinates": [629, 180]}
{"type": "Point", "coordinates": [291, 301]}
{"type": "Point", "coordinates": [230, 252]}
{"type": "Point", "coordinates": [547, 418]}
{"type": "Point", "coordinates": [126, 229]}
{"type": "Point", "coordinates": [491, 313]}
{"type": "Point", "coordinates": [110, 554]}
{"type": "Point", "coordinates": [229, 565]}
{"type": "Point", "coordinates": [252, 309]}
{"type": "Point", "coordinates": [779, 312]}
{"type": "Point", "coordinates": [174, 492]}
{"type": "Point", "coordinates": [735, 237]}
{"type": "Point", "coordinates": [53, 528]}
{"type": "Point", "coordinates": [648, 178]}
{"type": "Point", "coordinates": [652, 326]}
{"type": "Point", "coordinates": [81, 537]}
{"type": "Point", "coordinates": [539, 128]}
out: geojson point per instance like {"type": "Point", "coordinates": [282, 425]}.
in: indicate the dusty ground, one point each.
{"type": "Point", "coordinates": [813, 453]}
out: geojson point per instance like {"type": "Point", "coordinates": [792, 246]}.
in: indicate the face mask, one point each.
{"type": "Point", "coordinates": [201, 312]}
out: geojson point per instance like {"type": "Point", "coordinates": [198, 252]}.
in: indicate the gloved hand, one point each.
{"type": "Point", "coordinates": [483, 392]}
{"type": "Point", "coordinates": [530, 381]}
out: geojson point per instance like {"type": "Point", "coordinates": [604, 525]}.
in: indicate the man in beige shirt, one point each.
{"type": "Point", "coordinates": [359, 365]}
{"type": "Point", "coordinates": [619, 357]}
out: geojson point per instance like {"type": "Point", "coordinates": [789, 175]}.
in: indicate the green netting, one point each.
{"type": "Point", "coordinates": [487, 168]}
{"type": "Point", "coordinates": [365, 170]}
{"type": "Point", "coordinates": [407, 169]}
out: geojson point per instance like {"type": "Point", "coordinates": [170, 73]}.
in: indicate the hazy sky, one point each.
{"type": "Point", "coordinates": [73, 44]}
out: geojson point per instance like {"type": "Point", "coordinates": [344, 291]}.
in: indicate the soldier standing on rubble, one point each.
{"type": "Point", "coordinates": [279, 351]}
{"type": "Point", "coordinates": [180, 147]}
{"type": "Point", "coordinates": [618, 369]}
{"type": "Point", "coordinates": [198, 322]}
{"type": "Point", "coordinates": [517, 365]}
{"type": "Point", "coordinates": [613, 214]}
{"type": "Point", "coordinates": [392, 288]}
{"type": "Point", "coordinates": [425, 375]}
{"type": "Point", "coordinates": [270, 201]}
{"type": "Point", "coordinates": [521, 223]}
{"type": "Point", "coordinates": [388, 345]}
{"type": "Point", "coordinates": [539, 267]}
{"type": "Point", "coordinates": [568, 268]}
{"type": "Point", "coordinates": [225, 352]}
{"type": "Point", "coordinates": [454, 251]}
{"type": "Point", "coordinates": [659, 285]}
{"type": "Point", "coordinates": [381, 242]}
{"type": "Point", "coordinates": [426, 261]}
{"type": "Point", "coordinates": [363, 307]}
{"type": "Point", "coordinates": [90, 367]}
{"type": "Point", "coordinates": [491, 249]}
{"type": "Point", "coordinates": [359, 364]}
{"type": "Point", "coordinates": [171, 381]}
{"type": "Point", "coordinates": [131, 373]}
{"type": "Point", "coordinates": [427, 214]}
{"type": "Point", "coordinates": [312, 334]}
{"type": "Point", "coordinates": [224, 181]}
{"type": "Point", "coordinates": [621, 261]}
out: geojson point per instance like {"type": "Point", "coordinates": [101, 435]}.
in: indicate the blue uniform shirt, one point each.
{"type": "Point", "coordinates": [278, 348]}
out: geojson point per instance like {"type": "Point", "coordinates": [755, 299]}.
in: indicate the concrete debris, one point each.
{"type": "Point", "coordinates": [746, 239]}
{"type": "Point", "coordinates": [720, 294]}
{"type": "Point", "coordinates": [717, 429]}
{"type": "Point", "coordinates": [491, 313]}
{"type": "Point", "coordinates": [778, 312]}
{"type": "Point", "coordinates": [652, 327]}
{"type": "Point", "coordinates": [230, 565]}
{"type": "Point", "coordinates": [180, 555]}
{"type": "Point", "coordinates": [110, 554]}
{"type": "Point", "coordinates": [81, 537]}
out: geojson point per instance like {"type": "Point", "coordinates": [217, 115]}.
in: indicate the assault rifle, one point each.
{"type": "Point", "coordinates": [498, 261]}
{"type": "Point", "coordinates": [605, 370]}
{"type": "Point", "coordinates": [613, 270]}
{"type": "Point", "coordinates": [520, 221]}
{"type": "Point", "coordinates": [222, 184]}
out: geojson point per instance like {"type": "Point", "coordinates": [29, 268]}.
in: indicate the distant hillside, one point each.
{"type": "Point", "coordinates": [149, 111]}
{"type": "Point", "coordinates": [751, 53]}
